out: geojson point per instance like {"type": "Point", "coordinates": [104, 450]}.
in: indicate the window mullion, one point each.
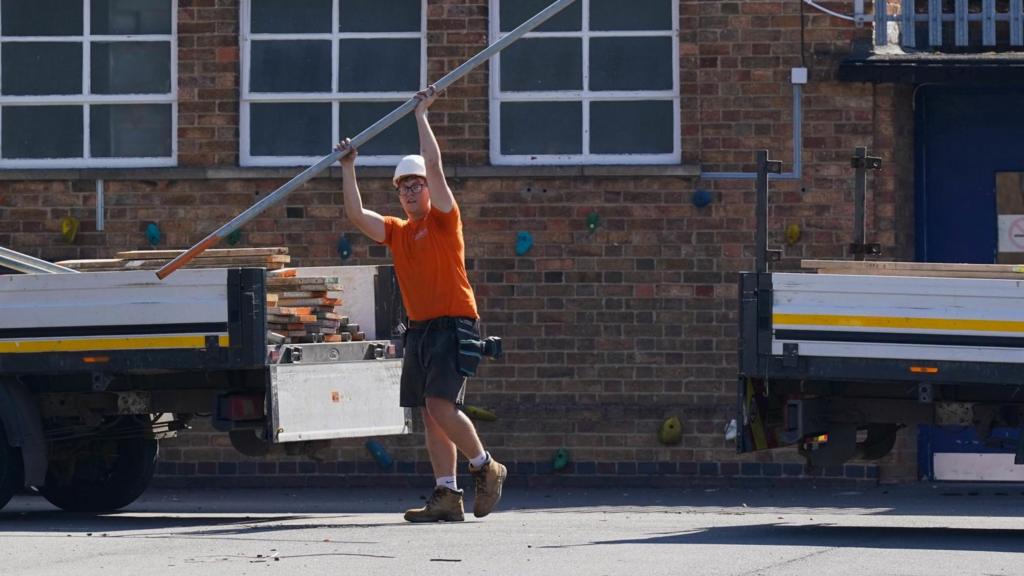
{"type": "Point", "coordinates": [585, 99]}
{"type": "Point", "coordinates": [86, 77]}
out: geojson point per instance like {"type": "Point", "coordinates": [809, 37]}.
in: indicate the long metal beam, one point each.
{"type": "Point", "coordinates": [29, 265]}
{"type": "Point", "coordinates": [360, 139]}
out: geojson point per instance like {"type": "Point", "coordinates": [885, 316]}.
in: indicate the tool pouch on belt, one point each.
{"type": "Point", "coordinates": [470, 347]}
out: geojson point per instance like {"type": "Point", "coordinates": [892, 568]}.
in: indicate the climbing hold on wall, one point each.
{"type": "Point", "coordinates": [69, 229]}
{"type": "Point", "coordinates": [701, 198]}
{"type": "Point", "coordinates": [478, 413]}
{"type": "Point", "coordinates": [379, 453]}
{"type": "Point", "coordinates": [671, 432]}
{"type": "Point", "coordinates": [561, 460]}
{"type": "Point", "coordinates": [593, 221]}
{"type": "Point", "coordinates": [524, 241]}
{"type": "Point", "coordinates": [344, 248]}
{"type": "Point", "coordinates": [153, 234]}
{"type": "Point", "coordinates": [792, 234]}
{"type": "Point", "coordinates": [234, 237]}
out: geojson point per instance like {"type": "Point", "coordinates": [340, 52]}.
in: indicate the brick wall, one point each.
{"type": "Point", "coordinates": [608, 332]}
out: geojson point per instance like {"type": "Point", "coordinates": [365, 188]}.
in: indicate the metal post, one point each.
{"type": "Point", "coordinates": [764, 167]}
{"type": "Point", "coordinates": [988, 12]}
{"type": "Point", "coordinates": [935, 22]}
{"type": "Point", "coordinates": [30, 265]}
{"type": "Point", "coordinates": [1016, 23]}
{"type": "Point", "coordinates": [359, 140]}
{"type": "Point", "coordinates": [960, 19]}
{"type": "Point", "coordinates": [862, 163]}
{"type": "Point", "coordinates": [100, 206]}
{"type": "Point", "coordinates": [881, 23]}
{"type": "Point", "coordinates": [908, 35]}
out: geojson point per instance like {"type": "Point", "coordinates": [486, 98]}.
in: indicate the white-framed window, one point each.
{"type": "Point", "coordinates": [88, 83]}
{"type": "Point", "coordinates": [596, 84]}
{"type": "Point", "coordinates": [317, 71]}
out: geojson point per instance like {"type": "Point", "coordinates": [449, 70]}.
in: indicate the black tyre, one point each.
{"type": "Point", "coordinates": [101, 473]}
{"type": "Point", "coordinates": [11, 475]}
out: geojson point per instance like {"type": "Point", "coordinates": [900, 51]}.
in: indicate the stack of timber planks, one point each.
{"type": "Point", "coordinates": [273, 258]}
{"type": "Point", "coordinates": [299, 309]}
{"type": "Point", "coordinates": [931, 269]}
{"type": "Point", "coordinates": [307, 309]}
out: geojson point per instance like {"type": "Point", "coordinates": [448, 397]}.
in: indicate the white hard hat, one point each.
{"type": "Point", "coordinates": [411, 165]}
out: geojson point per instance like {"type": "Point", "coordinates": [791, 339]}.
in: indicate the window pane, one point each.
{"type": "Point", "coordinates": [541, 127]}
{"type": "Point", "coordinates": [536, 64]}
{"type": "Point", "coordinates": [515, 12]}
{"type": "Point", "coordinates": [400, 138]}
{"type": "Point", "coordinates": [379, 65]}
{"type": "Point", "coordinates": [41, 17]}
{"type": "Point", "coordinates": [36, 68]}
{"type": "Point", "coordinates": [630, 127]}
{"type": "Point", "coordinates": [291, 66]}
{"type": "Point", "coordinates": [290, 129]}
{"type": "Point", "coordinates": [131, 67]}
{"type": "Point", "coordinates": [42, 132]}
{"type": "Point", "coordinates": [288, 16]}
{"type": "Point", "coordinates": [380, 16]}
{"type": "Point", "coordinates": [131, 16]}
{"type": "Point", "coordinates": [641, 15]}
{"type": "Point", "coordinates": [630, 63]}
{"type": "Point", "coordinates": [130, 131]}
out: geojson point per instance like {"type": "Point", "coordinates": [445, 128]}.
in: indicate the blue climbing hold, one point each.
{"type": "Point", "coordinates": [524, 241]}
{"type": "Point", "coordinates": [153, 234]}
{"type": "Point", "coordinates": [701, 198]}
{"type": "Point", "coordinates": [344, 247]}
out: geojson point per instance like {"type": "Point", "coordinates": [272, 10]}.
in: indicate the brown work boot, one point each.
{"type": "Point", "coordinates": [444, 505]}
{"type": "Point", "coordinates": [488, 480]}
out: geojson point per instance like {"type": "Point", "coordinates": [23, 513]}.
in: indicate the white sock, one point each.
{"type": "Point", "coordinates": [448, 482]}
{"type": "Point", "coordinates": [480, 460]}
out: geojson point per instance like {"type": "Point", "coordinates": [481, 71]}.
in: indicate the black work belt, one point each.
{"type": "Point", "coordinates": [443, 322]}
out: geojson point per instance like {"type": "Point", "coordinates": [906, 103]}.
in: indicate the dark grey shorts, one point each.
{"type": "Point", "coordinates": [430, 366]}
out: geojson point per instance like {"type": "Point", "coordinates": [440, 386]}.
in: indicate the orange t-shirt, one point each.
{"type": "Point", "coordinates": [430, 262]}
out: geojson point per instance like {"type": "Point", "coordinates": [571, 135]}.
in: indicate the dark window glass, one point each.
{"type": "Point", "coordinates": [380, 16]}
{"type": "Point", "coordinates": [541, 128]}
{"type": "Point", "coordinates": [289, 16]}
{"type": "Point", "coordinates": [42, 132]}
{"type": "Point", "coordinates": [291, 66]}
{"type": "Point", "coordinates": [130, 131]}
{"type": "Point", "coordinates": [290, 129]}
{"type": "Point", "coordinates": [632, 127]}
{"type": "Point", "coordinates": [387, 65]}
{"type": "Point", "coordinates": [515, 12]}
{"type": "Point", "coordinates": [131, 67]}
{"type": "Point", "coordinates": [41, 17]}
{"type": "Point", "coordinates": [400, 138]}
{"type": "Point", "coordinates": [640, 15]}
{"type": "Point", "coordinates": [131, 16]}
{"type": "Point", "coordinates": [540, 64]}
{"type": "Point", "coordinates": [37, 68]}
{"type": "Point", "coordinates": [630, 63]}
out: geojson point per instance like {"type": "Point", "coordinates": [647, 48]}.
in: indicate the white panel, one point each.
{"type": "Point", "coordinates": [337, 400]}
{"type": "Point", "coordinates": [1011, 232]}
{"type": "Point", "coordinates": [976, 467]}
{"type": "Point", "coordinates": [112, 298]}
{"type": "Point", "coordinates": [358, 299]}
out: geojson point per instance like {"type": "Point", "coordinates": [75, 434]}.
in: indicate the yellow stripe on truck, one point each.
{"type": "Point", "coordinates": [951, 324]}
{"type": "Point", "coordinates": [36, 346]}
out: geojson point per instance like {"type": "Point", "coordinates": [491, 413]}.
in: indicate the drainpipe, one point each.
{"type": "Point", "coordinates": [798, 77]}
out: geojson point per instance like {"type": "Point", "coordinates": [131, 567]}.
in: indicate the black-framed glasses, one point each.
{"type": "Point", "coordinates": [412, 188]}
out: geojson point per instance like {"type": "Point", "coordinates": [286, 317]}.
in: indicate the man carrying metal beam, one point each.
{"type": "Point", "coordinates": [428, 250]}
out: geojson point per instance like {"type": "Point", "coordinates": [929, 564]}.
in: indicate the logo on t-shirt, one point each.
{"type": "Point", "coordinates": [420, 234]}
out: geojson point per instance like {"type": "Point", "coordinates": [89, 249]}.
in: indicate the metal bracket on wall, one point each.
{"type": "Point", "coordinates": [861, 162]}
{"type": "Point", "coordinates": [764, 168]}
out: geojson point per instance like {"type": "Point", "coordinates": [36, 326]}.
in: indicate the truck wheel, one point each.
{"type": "Point", "coordinates": [101, 474]}
{"type": "Point", "coordinates": [880, 440]}
{"type": "Point", "coordinates": [10, 469]}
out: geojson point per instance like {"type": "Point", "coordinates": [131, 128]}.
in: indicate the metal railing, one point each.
{"type": "Point", "coordinates": [959, 24]}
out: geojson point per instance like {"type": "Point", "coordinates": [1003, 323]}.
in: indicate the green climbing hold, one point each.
{"type": "Point", "coordinates": [477, 413]}
{"type": "Point", "coordinates": [234, 237]}
{"type": "Point", "coordinates": [561, 460]}
{"type": "Point", "coordinates": [671, 432]}
{"type": "Point", "coordinates": [593, 221]}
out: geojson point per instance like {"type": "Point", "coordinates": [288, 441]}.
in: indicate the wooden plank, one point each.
{"type": "Point", "coordinates": [1009, 193]}
{"type": "Point", "coordinates": [301, 294]}
{"type": "Point", "coordinates": [309, 301]}
{"type": "Point", "coordinates": [212, 253]}
{"type": "Point", "coordinates": [284, 273]}
{"type": "Point", "coordinates": [297, 281]}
